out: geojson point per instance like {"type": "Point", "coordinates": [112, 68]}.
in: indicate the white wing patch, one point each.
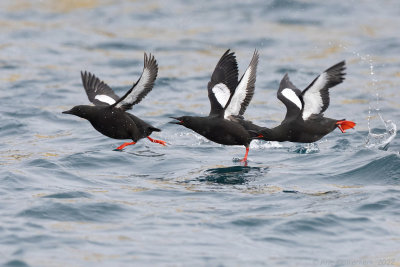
{"type": "Point", "coordinates": [292, 97]}
{"type": "Point", "coordinates": [239, 96]}
{"type": "Point", "coordinates": [105, 99]}
{"type": "Point", "coordinates": [144, 79]}
{"type": "Point", "coordinates": [312, 98]}
{"type": "Point", "coordinates": [222, 93]}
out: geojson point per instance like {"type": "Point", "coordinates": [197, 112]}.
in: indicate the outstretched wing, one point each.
{"type": "Point", "coordinates": [290, 96]}
{"type": "Point", "coordinates": [316, 95]}
{"type": "Point", "coordinates": [223, 82]}
{"type": "Point", "coordinates": [244, 92]}
{"type": "Point", "coordinates": [98, 92]}
{"type": "Point", "coordinates": [142, 87]}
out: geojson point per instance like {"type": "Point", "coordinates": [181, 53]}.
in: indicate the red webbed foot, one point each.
{"type": "Point", "coordinates": [345, 125]}
{"type": "Point", "coordinates": [124, 145]}
{"type": "Point", "coordinates": [157, 141]}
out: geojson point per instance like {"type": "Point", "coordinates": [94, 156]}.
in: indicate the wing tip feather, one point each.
{"type": "Point", "coordinates": [150, 63]}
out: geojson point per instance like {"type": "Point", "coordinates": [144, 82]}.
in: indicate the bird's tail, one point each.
{"type": "Point", "coordinates": [344, 125]}
{"type": "Point", "coordinates": [154, 129]}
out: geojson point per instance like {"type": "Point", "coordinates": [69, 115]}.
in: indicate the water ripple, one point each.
{"type": "Point", "coordinates": [74, 212]}
{"type": "Point", "coordinates": [68, 199]}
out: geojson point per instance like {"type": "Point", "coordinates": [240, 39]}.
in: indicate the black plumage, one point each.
{"type": "Point", "coordinates": [109, 115]}
{"type": "Point", "coordinates": [304, 121]}
{"type": "Point", "coordinates": [229, 99]}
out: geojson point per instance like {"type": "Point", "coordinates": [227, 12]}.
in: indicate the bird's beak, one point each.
{"type": "Point", "coordinates": [179, 122]}
{"type": "Point", "coordinates": [67, 112]}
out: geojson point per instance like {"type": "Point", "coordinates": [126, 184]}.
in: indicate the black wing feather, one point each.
{"type": "Point", "coordinates": [292, 110]}
{"type": "Point", "coordinates": [251, 83]}
{"type": "Point", "coordinates": [143, 85]}
{"type": "Point", "coordinates": [226, 72]}
{"type": "Point", "coordinates": [334, 76]}
{"type": "Point", "coordinates": [93, 87]}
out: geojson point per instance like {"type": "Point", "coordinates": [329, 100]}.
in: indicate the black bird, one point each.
{"type": "Point", "coordinates": [109, 116]}
{"type": "Point", "coordinates": [229, 99]}
{"type": "Point", "coordinates": [305, 121]}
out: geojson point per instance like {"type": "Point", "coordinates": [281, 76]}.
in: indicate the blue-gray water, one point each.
{"type": "Point", "coordinates": [68, 199]}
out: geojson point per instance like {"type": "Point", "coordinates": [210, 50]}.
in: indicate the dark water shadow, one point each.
{"type": "Point", "coordinates": [341, 144]}
{"type": "Point", "coordinates": [76, 194]}
{"type": "Point", "coordinates": [15, 263]}
{"type": "Point", "coordinates": [232, 174]}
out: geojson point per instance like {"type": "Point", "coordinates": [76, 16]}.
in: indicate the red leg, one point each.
{"type": "Point", "coordinates": [125, 144]}
{"type": "Point", "coordinates": [340, 128]}
{"type": "Point", "coordinates": [245, 156]}
{"type": "Point", "coordinates": [157, 141]}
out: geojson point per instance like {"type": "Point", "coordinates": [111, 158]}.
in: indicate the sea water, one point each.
{"type": "Point", "coordinates": [68, 199]}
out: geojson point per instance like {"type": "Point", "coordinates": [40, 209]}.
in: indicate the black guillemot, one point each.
{"type": "Point", "coordinates": [304, 121]}
{"type": "Point", "coordinates": [229, 99]}
{"type": "Point", "coordinates": [109, 116]}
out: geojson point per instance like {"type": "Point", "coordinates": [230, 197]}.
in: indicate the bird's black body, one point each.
{"type": "Point", "coordinates": [252, 128]}
{"type": "Point", "coordinates": [229, 98]}
{"type": "Point", "coordinates": [304, 121]}
{"type": "Point", "coordinates": [300, 131]}
{"type": "Point", "coordinates": [114, 122]}
{"type": "Point", "coordinates": [218, 129]}
{"type": "Point", "coordinates": [143, 127]}
{"type": "Point", "coordinates": [109, 115]}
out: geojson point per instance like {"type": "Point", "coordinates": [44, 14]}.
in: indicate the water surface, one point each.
{"type": "Point", "coordinates": [68, 199]}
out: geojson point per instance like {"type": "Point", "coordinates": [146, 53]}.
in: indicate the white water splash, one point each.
{"type": "Point", "coordinates": [381, 140]}
{"type": "Point", "coordinates": [258, 144]}
{"type": "Point", "coordinates": [308, 148]}
{"type": "Point", "coordinates": [376, 140]}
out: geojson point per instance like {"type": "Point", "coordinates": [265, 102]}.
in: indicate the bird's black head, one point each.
{"type": "Point", "coordinates": [82, 111]}
{"type": "Point", "coordinates": [191, 122]}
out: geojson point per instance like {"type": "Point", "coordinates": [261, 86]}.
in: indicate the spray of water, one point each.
{"type": "Point", "coordinates": [309, 148]}
{"type": "Point", "coordinates": [376, 140]}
